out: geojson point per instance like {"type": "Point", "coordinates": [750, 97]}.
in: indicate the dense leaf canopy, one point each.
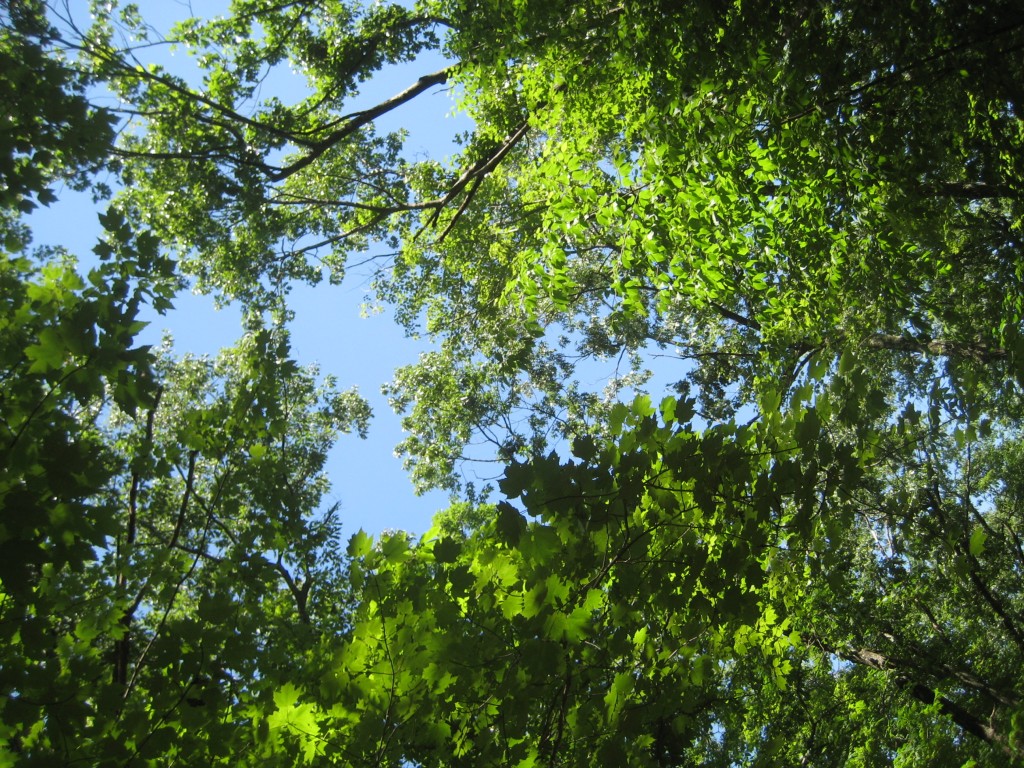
{"type": "Point", "coordinates": [806, 550]}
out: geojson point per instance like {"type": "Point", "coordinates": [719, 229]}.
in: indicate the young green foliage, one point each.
{"type": "Point", "coordinates": [813, 561]}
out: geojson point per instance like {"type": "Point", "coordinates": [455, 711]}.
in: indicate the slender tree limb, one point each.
{"type": "Point", "coordinates": [122, 647]}
{"type": "Point", "coordinates": [358, 120]}
{"type": "Point", "coordinates": [958, 714]}
{"type": "Point", "coordinates": [476, 172]}
{"type": "Point", "coordinates": [299, 592]}
{"type": "Point", "coordinates": [968, 190]}
{"type": "Point", "coordinates": [974, 575]}
{"type": "Point", "coordinates": [978, 351]}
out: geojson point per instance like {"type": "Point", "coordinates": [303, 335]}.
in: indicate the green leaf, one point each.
{"type": "Point", "coordinates": [447, 550]}
{"type": "Point", "coordinates": [621, 688]}
{"type": "Point", "coordinates": [808, 429]}
{"type": "Point", "coordinates": [49, 354]}
{"type": "Point", "coordinates": [395, 547]}
{"type": "Point", "coordinates": [510, 524]}
{"type": "Point", "coordinates": [584, 448]}
{"type": "Point", "coordinates": [360, 544]}
{"type": "Point", "coordinates": [976, 545]}
{"type": "Point", "coordinates": [517, 479]}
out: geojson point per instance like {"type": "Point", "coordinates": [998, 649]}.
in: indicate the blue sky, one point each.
{"type": "Point", "coordinates": [329, 329]}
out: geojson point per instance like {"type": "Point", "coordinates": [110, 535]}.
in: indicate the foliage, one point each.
{"type": "Point", "coordinates": [165, 556]}
{"type": "Point", "coordinates": [806, 551]}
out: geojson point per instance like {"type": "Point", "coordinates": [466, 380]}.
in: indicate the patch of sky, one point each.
{"type": "Point", "coordinates": [329, 326]}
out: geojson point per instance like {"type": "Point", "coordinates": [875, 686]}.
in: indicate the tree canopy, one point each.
{"type": "Point", "coordinates": [805, 550]}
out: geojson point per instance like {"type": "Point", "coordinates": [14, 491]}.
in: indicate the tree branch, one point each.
{"type": "Point", "coordinates": [357, 120]}
{"type": "Point", "coordinates": [978, 351]}
{"type": "Point", "coordinates": [926, 695]}
{"type": "Point", "coordinates": [122, 647]}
